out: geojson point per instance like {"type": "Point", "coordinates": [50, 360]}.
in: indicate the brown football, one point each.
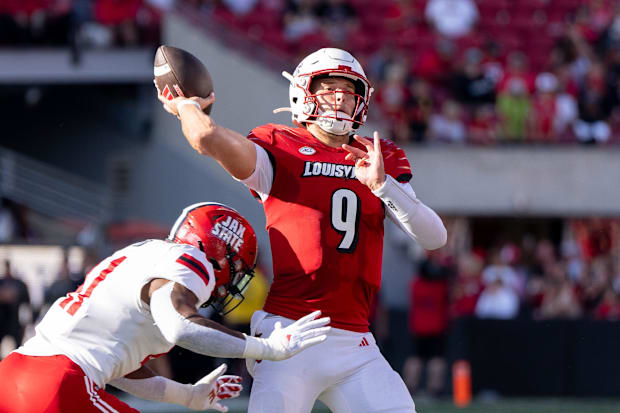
{"type": "Point", "coordinates": [180, 73]}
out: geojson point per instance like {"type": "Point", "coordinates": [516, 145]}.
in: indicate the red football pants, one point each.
{"type": "Point", "coordinates": [51, 384]}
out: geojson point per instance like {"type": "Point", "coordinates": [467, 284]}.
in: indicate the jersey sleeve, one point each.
{"type": "Point", "coordinates": [189, 267]}
{"type": "Point", "coordinates": [261, 179]}
{"type": "Point", "coordinates": [263, 137]}
{"type": "Point", "coordinates": [396, 162]}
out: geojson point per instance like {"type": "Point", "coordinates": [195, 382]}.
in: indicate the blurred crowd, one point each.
{"type": "Point", "coordinates": [458, 71]}
{"type": "Point", "coordinates": [531, 279]}
{"type": "Point", "coordinates": [19, 311]}
{"type": "Point", "coordinates": [13, 222]}
{"type": "Point", "coordinates": [80, 23]}
{"type": "Point", "coordinates": [475, 71]}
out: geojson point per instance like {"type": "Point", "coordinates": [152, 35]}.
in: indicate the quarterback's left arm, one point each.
{"type": "Point", "coordinates": [404, 208]}
{"type": "Point", "coordinates": [204, 394]}
{"type": "Point", "coordinates": [409, 213]}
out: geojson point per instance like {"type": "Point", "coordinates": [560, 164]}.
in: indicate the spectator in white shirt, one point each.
{"type": "Point", "coordinates": [452, 18]}
{"type": "Point", "coordinates": [497, 301]}
{"type": "Point", "coordinates": [448, 126]}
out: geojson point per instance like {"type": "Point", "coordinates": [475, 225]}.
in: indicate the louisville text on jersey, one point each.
{"type": "Point", "coordinates": [231, 232]}
{"type": "Point", "coordinates": [328, 169]}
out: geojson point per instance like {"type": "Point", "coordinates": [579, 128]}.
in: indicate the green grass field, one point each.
{"type": "Point", "coordinates": [542, 405]}
{"type": "Point", "coordinates": [524, 406]}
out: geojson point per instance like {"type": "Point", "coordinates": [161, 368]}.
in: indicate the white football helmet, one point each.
{"type": "Point", "coordinates": [304, 104]}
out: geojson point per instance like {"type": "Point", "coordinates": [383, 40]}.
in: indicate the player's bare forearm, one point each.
{"type": "Point", "coordinates": [184, 302]}
{"type": "Point", "coordinates": [174, 311]}
{"type": "Point", "coordinates": [230, 149]}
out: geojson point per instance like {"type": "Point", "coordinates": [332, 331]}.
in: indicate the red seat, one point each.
{"type": "Point", "coordinates": [489, 11]}
{"type": "Point", "coordinates": [275, 39]}
{"type": "Point", "coordinates": [262, 17]}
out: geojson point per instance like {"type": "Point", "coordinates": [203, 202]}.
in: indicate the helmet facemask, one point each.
{"type": "Point", "coordinates": [333, 121]}
{"type": "Point", "coordinates": [227, 297]}
{"type": "Point", "coordinates": [305, 108]}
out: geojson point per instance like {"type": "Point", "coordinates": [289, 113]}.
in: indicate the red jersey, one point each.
{"type": "Point", "coordinates": [429, 308]}
{"type": "Point", "coordinates": [325, 227]}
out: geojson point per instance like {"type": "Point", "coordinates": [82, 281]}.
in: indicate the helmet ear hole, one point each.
{"type": "Point", "coordinates": [216, 265]}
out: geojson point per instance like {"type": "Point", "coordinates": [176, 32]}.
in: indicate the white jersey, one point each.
{"type": "Point", "coordinates": [104, 326]}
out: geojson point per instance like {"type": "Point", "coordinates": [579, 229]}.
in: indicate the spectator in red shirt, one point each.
{"type": "Point", "coordinates": [434, 64]}
{"type": "Point", "coordinates": [120, 16]}
{"type": "Point", "coordinates": [517, 68]}
{"type": "Point", "coordinates": [428, 320]}
{"type": "Point", "coordinates": [609, 307]}
{"type": "Point", "coordinates": [544, 108]}
{"type": "Point", "coordinates": [467, 287]}
{"type": "Point", "coordinates": [483, 128]}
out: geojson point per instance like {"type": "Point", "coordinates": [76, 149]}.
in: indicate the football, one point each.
{"type": "Point", "coordinates": [180, 73]}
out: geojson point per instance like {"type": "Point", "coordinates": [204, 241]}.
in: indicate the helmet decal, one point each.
{"type": "Point", "coordinates": [230, 231]}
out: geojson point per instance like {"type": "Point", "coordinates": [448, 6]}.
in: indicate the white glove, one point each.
{"type": "Point", "coordinates": [212, 388]}
{"type": "Point", "coordinates": [285, 342]}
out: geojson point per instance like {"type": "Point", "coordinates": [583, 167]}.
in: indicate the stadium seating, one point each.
{"type": "Point", "coordinates": [533, 27]}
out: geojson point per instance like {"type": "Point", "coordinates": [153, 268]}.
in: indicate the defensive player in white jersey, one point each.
{"type": "Point", "coordinates": [137, 304]}
{"type": "Point", "coordinates": [326, 193]}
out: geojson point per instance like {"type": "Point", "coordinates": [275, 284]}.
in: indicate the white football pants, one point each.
{"type": "Point", "coordinates": [346, 372]}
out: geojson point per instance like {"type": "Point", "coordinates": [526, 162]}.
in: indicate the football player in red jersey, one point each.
{"type": "Point", "coordinates": [135, 305]}
{"type": "Point", "coordinates": [325, 192]}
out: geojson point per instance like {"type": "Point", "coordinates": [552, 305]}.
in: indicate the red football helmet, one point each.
{"type": "Point", "coordinates": [229, 243]}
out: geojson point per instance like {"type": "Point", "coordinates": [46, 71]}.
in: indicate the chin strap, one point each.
{"type": "Point", "coordinates": [337, 123]}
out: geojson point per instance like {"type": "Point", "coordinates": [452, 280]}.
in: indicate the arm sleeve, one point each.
{"type": "Point", "coordinates": [417, 220]}
{"type": "Point", "coordinates": [262, 178]}
{"type": "Point", "coordinates": [176, 329]}
{"type": "Point", "coordinates": [157, 388]}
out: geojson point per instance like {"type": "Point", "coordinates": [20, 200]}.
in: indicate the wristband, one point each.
{"type": "Point", "coordinates": [187, 102]}
{"type": "Point", "coordinates": [254, 347]}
